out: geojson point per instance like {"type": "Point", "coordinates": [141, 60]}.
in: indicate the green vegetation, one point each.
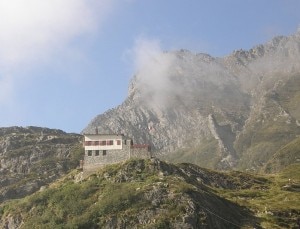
{"type": "Point", "coordinates": [82, 205]}
{"type": "Point", "coordinates": [204, 155]}
{"type": "Point", "coordinates": [276, 203]}
{"type": "Point", "coordinates": [264, 139]}
{"type": "Point", "coordinates": [33, 157]}
{"type": "Point", "coordinates": [289, 96]}
{"type": "Point", "coordinates": [286, 155]}
{"type": "Point", "coordinates": [274, 127]}
{"type": "Point", "coordinates": [138, 192]}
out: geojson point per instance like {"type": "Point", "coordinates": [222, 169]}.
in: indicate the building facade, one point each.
{"type": "Point", "coordinates": [104, 149]}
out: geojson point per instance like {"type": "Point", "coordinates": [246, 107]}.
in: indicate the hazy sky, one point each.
{"type": "Point", "coordinates": [62, 62]}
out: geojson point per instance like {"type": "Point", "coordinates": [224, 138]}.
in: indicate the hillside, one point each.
{"type": "Point", "coordinates": [230, 112]}
{"type": "Point", "coordinates": [33, 157]}
{"type": "Point", "coordinates": [284, 156]}
{"type": "Point", "coordinates": [155, 194]}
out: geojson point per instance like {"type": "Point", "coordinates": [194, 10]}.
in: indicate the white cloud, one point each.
{"type": "Point", "coordinates": [146, 51]}
{"type": "Point", "coordinates": [34, 31]}
{"type": "Point", "coordinates": [30, 28]}
{"type": "Point", "coordinates": [153, 71]}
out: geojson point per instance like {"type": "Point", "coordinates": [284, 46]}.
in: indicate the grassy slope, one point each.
{"type": "Point", "coordinates": [134, 193]}
{"type": "Point", "coordinates": [125, 193]}
{"type": "Point", "coordinates": [289, 96]}
{"type": "Point", "coordinates": [285, 156]}
{"type": "Point", "coordinates": [277, 204]}
{"type": "Point", "coordinates": [204, 155]}
{"type": "Point", "coordinates": [271, 129]}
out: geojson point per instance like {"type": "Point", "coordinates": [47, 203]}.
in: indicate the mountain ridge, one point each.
{"type": "Point", "coordinates": [170, 101]}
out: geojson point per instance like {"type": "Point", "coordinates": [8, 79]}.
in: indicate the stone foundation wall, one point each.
{"type": "Point", "coordinates": [110, 157]}
{"type": "Point", "coordinates": [142, 153]}
{"type": "Point", "coordinates": [94, 162]}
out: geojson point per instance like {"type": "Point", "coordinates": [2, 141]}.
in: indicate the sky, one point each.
{"type": "Point", "coordinates": [62, 62]}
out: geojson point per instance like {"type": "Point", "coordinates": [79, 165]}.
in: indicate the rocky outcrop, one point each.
{"type": "Point", "coordinates": [225, 138]}
{"type": "Point", "coordinates": [150, 193]}
{"type": "Point", "coordinates": [32, 157]}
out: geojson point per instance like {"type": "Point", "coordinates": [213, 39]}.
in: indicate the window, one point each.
{"type": "Point", "coordinates": [89, 152]}
{"type": "Point", "coordinates": [96, 143]}
{"type": "Point", "coordinates": [88, 143]}
{"type": "Point", "coordinates": [104, 152]}
{"type": "Point", "coordinates": [97, 153]}
{"type": "Point", "coordinates": [110, 142]}
{"type": "Point", "coordinates": [102, 143]}
{"type": "Point", "coordinates": [118, 142]}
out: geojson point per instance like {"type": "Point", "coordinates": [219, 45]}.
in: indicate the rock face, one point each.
{"type": "Point", "coordinates": [230, 112]}
{"type": "Point", "coordinates": [33, 157]}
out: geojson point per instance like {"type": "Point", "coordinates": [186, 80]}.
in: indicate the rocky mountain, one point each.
{"type": "Point", "coordinates": [33, 157]}
{"type": "Point", "coordinates": [154, 194]}
{"type": "Point", "coordinates": [237, 111]}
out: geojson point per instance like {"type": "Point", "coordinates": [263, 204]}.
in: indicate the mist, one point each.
{"type": "Point", "coordinates": [178, 78]}
{"type": "Point", "coordinates": [153, 71]}
{"type": "Point", "coordinates": [169, 79]}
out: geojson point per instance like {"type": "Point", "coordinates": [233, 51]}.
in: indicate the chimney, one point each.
{"type": "Point", "coordinates": [96, 130]}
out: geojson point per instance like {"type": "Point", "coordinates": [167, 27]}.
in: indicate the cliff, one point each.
{"type": "Point", "coordinates": [252, 96]}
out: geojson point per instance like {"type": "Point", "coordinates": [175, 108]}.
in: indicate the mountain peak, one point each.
{"type": "Point", "coordinates": [171, 99]}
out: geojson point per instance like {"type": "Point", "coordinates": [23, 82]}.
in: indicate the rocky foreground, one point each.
{"type": "Point", "coordinates": [154, 194]}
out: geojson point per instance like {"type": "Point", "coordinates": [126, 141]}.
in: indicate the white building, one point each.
{"type": "Point", "coordinates": [103, 149]}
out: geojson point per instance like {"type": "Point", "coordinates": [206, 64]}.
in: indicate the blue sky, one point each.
{"type": "Point", "coordinates": [62, 62]}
